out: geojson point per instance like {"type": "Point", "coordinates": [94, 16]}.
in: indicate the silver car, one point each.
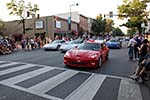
{"type": "Point", "coordinates": [70, 45]}
{"type": "Point", "coordinates": [55, 45]}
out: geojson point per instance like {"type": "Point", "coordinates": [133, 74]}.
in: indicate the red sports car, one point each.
{"type": "Point", "coordinates": [89, 54]}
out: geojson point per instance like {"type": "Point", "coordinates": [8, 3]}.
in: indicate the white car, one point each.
{"type": "Point", "coordinates": [55, 45]}
{"type": "Point", "coordinates": [100, 40]}
{"type": "Point", "coordinates": [70, 45]}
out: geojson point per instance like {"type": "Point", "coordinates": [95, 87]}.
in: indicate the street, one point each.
{"type": "Point", "coordinates": [41, 75]}
{"type": "Point", "coordinates": [117, 65]}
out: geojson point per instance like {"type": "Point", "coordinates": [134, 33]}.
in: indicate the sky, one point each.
{"type": "Point", "coordinates": [89, 8]}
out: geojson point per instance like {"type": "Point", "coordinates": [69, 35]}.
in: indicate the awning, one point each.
{"type": "Point", "coordinates": [17, 35]}
{"type": "Point", "coordinates": [75, 32]}
{"type": "Point", "coordinates": [60, 31]}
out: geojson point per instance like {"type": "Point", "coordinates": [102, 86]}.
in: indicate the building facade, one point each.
{"type": "Point", "coordinates": [44, 26]}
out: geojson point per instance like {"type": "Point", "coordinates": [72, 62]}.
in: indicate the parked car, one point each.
{"type": "Point", "coordinates": [127, 39]}
{"type": "Point", "coordinates": [55, 45]}
{"type": "Point", "coordinates": [100, 40]}
{"type": "Point", "coordinates": [87, 55]}
{"type": "Point", "coordinates": [70, 45]}
{"type": "Point", "coordinates": [114, 43]}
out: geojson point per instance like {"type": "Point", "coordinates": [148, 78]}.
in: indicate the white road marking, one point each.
{"type": "Point", "coordinates": [52, 82]}
{"type": "Point", "coordinates": [25, 76]}
{"type": "Point", "coordinates": [9, 64]}
{"type": "Point", "coordinates": [129, 90]}
{"type": "Point", "coordinates": [15, 69]}
{"type": "Point", "coordinates": [88, 90]}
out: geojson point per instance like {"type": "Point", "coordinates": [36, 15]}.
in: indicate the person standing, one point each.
{"type": "Point", "coordinates": [28, 44]}
{"type": "Point", "coordinates": [32, 43]}
{"type": "Point", "coordinates": [131, 45]}
{"type": "Point", "coordinates": [136, 46]}
{"type": "Point", "coordinates": [39, 42]}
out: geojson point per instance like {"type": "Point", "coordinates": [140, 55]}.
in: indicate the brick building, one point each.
{"type": "Point", "coordinates": [47, 26]}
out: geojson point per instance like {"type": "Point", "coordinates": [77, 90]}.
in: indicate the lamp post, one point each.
{"type": "Point", "coordinates": [143, 27]}
{"type": "Point", "coordinates": [69, 19]}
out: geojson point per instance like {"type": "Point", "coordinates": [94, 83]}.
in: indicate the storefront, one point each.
{"type": "Point", "coordinates": [61, 33]}
{"type": "Point", "coordinates": [17, 36]}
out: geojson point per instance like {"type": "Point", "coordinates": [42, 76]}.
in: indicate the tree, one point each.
{"type": "Point", "coordinates": [131, 31]}
{"type": "Point", "coordinates": [99, 25]}
{"type": "Point", "coordinates": [117, 32]}
{"type": "Point", "coordinates": [2, 26]}
{"type": "Point", "coordinates": [109, 25]}
{"type": "Point", "coordinates": [22, 10]}
{"type": "Point", "coordinates": [134, 11]}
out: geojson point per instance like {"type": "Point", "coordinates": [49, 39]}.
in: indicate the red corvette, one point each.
{"type": "Point", "coordinates": [90, 55]}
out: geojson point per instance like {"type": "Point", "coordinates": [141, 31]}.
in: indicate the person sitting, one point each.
{"type": "Point", "coordinates": [143, 67]}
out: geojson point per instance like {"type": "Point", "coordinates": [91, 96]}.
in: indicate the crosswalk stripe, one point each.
{"type": "Point", "coordinates": [25, 76]}
{"type": "Point", "coordinates": [52, 82]}
{"type": "Point", "coordinates": [40, 94]}
{"type": "Point", "coordinates": [15, 69]}
{"type": "Point", "coordinates": [9, 64]}
{"type": "Point", "coordinates": [88, 90]}
{"type": "Point", "coordinates": [2, 62]}
{"type": "Point", "coordinates": [129, 90]}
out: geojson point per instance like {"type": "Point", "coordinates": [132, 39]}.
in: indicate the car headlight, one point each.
{"type": "Point", "coordinates": [94, 56]}
{"type": "Point", "coordinates": [67, 54]}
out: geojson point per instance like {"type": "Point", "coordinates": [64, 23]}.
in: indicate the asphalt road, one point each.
{"type": "Point", "coordinates": [117, 65]}
{"type": "Point", "coordinates": [23, 77]}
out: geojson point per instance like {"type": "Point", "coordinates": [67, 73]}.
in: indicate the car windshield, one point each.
{"type": "Point", "coordinates": [113, 40]}
{"type": "Point", "coordinates": [90, 46]}
{"type": "Point", "coordinates": [75, 41]}
{"type": "Point", "coordinates": [57, 41]}
{"type": "Point", "coordinates": [100, 38]}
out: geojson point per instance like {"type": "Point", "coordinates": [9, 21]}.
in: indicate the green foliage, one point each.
{"type": "Point", "coordinates": [117, 32]}
{"type": "Point", "coordinates": [102, 25]}
{"type": "Point", "coordinates": [109, 25]}
{"type": "Point", "coordinates": [135, 11]}
{"type": "Point", "coordinates": [20, 9]}
{"type": "Point", "coordinates": [99, 25]}
{"type": "Point", "coordinates": [2, 26]}
{"type": "Point", "coordinates": [131, 31]}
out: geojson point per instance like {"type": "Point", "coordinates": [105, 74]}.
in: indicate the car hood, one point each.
{"type": "Point", "coordinates": [82, 53]}
{"type": "Point", "coordinates": [68, 46]}
{"type": "Point", "coordinates": [112, 42]}
{"type": "Point", "coordinates": [51, 45]}
{"type": "Point", "coordinates": [100, 41]}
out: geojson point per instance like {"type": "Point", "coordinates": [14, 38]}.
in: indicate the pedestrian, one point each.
{"type": "Point", "coordinates": [39, 42]}
{"type": "Point", "coordinates": [143, 50]}
{"type": "Point", "coordinates": [136, 46]}
{"type": "Point", "coordinates": [32, 43]}
{"type": "Point", "coordinates": [28, 44]}
{"type": "Point", "coordinates": [143, 66]}
{"type": "Point", "coordinates": [131, 45]}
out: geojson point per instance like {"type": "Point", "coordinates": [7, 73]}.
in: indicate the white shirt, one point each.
{"type": "Point", "coordinates": [132, 42]}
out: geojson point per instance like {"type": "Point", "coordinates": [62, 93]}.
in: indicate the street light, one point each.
{"type": "Point", "coordinates": [143, 27]}
{"type": "Point", "coordinates": [69, 19]}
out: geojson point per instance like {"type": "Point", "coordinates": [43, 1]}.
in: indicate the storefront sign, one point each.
{"type": "Point", "coordinates": [58, 24]}
{"type": "Point", "coordinates": [39, 24]}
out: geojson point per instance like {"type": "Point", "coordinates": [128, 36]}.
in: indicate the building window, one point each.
{"type": "Point", "coordinates": [39, 24]}
{"type": "Point", "coordinates": [58, 24]}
